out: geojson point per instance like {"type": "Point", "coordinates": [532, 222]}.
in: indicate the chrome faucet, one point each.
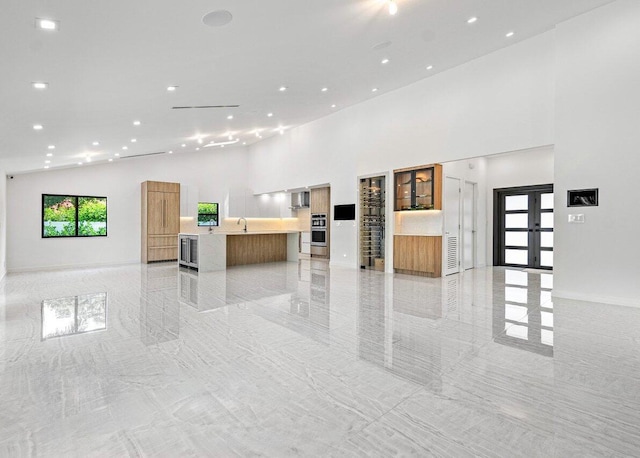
{"type": "Point", "coordinates": [245, 223]}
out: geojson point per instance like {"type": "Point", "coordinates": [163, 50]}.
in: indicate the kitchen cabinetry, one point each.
{"type": "Point", "coordinates": [320, 204]}
{"type": "Point", "coordinates": [160, 221]}
{"type": "Point", "coordinates": [372, 222]}
{"type": "Point", "coordinates": [418, 255]}
{"type": "Point", "coordinates": [418, 188]}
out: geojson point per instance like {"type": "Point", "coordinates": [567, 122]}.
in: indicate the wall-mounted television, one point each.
{"type": "Point", "coordinates": [344, 212]}
{"type": "Point", "coordinates": [207, 214]}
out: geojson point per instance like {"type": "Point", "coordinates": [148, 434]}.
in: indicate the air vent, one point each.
{"type": "Point", "coordinates": [205, 106]}
{"type": "Point", "coordinates": [142, 155]}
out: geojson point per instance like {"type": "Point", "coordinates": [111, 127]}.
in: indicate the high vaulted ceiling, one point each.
{"type": "Point", "coordinates": [111, 62]}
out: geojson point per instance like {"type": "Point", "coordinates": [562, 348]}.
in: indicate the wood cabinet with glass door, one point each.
{"type": "Point", "coordinates": [418, 188]}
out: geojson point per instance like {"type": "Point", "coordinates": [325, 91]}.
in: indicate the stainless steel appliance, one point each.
{"type": "Point", "coordinates": [299, 200]}
{"type": "Point", "coordinates": [189, 251]}
{"type": "Point", "coordinates": [319, 229]}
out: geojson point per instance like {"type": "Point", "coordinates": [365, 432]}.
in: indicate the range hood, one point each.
{"type": "Point", "coordinates": [300, 199]}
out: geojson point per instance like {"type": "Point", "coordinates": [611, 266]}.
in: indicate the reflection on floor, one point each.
{"type": "Point", "coordinates": [299, 359]}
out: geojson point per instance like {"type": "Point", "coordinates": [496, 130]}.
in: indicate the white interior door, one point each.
{"type": "Point", "coordinates": [469, 225]}
{"type": "Point", "coordinates": [452, 201]}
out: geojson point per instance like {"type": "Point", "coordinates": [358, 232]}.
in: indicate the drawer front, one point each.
{"type": "Point", "coordinates": [319, 250]}
{"type": "Point", "coordinates": [162, 241]}
{"type": "Point", "coordinates": [163, 254]}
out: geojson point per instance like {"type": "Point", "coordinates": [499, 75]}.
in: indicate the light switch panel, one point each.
{"type": "Point", "coordinates": [576, 218]}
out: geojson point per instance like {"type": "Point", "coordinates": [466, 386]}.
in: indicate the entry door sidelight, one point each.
{"type": "Point", "coordinates": [523, 227]}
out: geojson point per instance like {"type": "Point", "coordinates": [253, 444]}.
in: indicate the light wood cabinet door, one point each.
{"type": "Point", "coordinates": [155, 212]}
{"type": "Point", "coordinates": [172, 212]}
{"type": "Point", "coordinates": [320, 200]}
{"type": "Point", "coordinates": [418, 255]}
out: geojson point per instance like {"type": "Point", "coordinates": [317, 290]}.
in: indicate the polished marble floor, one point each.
{"type": "Point", "coordinates": [297, 359]}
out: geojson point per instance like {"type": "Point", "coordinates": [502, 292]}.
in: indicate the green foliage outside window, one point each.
{"type": "Point", "coordinates": [207, 214]}
{"type": "Point", "coordinates": [73, 216]}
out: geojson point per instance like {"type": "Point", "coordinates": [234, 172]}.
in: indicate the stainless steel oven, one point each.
{"type": "Point", "coordinates": [319, 229]}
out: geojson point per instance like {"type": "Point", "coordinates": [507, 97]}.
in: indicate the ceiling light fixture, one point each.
{"type": "Point", "coordinates": [324, 89]}
{"type": "Point", "coordinates": [230, 117]}
{"type": "Point", "coordinates": [51, 147]}
{"type": "Point", "coordinates": [384, 61]}
{"type": "Point", "coordinates": [47, 162]}
{"type": "Point", "coordinates": [510, 34]}
{"type": "Point", "coordinates": [136, 123]}
{"type": "Point", "coordinates": [333, 106]}
{"type": "Point", "coordinates": [96, 143]}
{"type": "Point", "coordinates": [46, 166]}
{"type": "Point", "coordinates": [430, 67]}
{"type": "Point", "coordinates": [170, 152]}
{"type": "Point", "coordinates": [133, 140]}
{"type": "Point", "coordinates": [200, 141]}
{"type": "Point", "coordinates": [197, 149]}
{"type": "Point", "coordinates": [88, 159]}
{"type": "Point", "coordinates": [117, 154]}
{"type": "Point", "coordinates": [172, 88]}
{"type": "Point", "coordinates": [79, 163]}
{"type": "Point", "coordinates": [49, 154]}
{"type": "Point", "coordinates": [375, 89]}
{"type": "Point", "coordinates": [47, 24]}
{"type": "Point", "coordinates": [37, 127]}
{"type": "Point", "coordinates": [221, 144]}
{"type": "Point", "coordinates": [269, 115]}
{"type": "Point", "coordinates": [471, 20]}
{"type": "Point", "coordinates": [183, 145]}
{"type": "Point", "coordinates": [110, 159]}
{"type": "Point", "coordinates": [393, 8]}
{"type": "Point", "coordinates": [282, 88]}
{"type": "Point", "coordinates": [125, 148]}
{"type": "Point", "coordinates": [40, 85]}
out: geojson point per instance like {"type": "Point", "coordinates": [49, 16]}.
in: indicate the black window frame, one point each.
{"type": "Point", "coordinates": [217, 215]}
{"type": "Point", "coordinates": [77, 206]}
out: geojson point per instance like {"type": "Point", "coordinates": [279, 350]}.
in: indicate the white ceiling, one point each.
{"type": "Point", "coordinates": [111, 62]}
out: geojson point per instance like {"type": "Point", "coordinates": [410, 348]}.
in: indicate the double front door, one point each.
{"type": "Point", "coordinates": [523, 227]}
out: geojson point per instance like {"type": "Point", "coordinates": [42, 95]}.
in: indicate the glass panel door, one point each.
{"type": "Point", "coordinates": [523, 227]}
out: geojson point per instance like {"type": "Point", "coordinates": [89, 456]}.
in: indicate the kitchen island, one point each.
{"type": "Point", "coordinates": [219, 250]}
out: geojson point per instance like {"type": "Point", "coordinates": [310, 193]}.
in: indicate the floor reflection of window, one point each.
{"type": "Point", "coordinates": [525, 318]}
{"type": "Point", "coordinates": [74, 315]}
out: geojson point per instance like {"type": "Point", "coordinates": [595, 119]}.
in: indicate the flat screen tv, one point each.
{"type": "Point", "coordinates": [344, 212]}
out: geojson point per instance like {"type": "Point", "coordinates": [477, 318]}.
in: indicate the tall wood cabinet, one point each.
{"type": "Point", "coordinates": [160, 221]}
{"type": "Point", "coordinates": [320, 203]}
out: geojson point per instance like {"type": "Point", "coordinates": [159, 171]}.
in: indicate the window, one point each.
{"type": "Point", "coordinates": [73, 216]}
{"type": "Point", "coordinates": [207, 214]}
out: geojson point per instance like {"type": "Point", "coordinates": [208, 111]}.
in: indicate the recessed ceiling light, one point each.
{"type": "Point", "coordinates": [393, 8]}
{"type": "Point", "coordinates": [136, 123]}
{"type": "Point", "coordinates": [110, 159]}
{"type": "Point", "coordinates": [40, 85]}
{"type": "Point", "coordinates": [51, 147]}
{"type": "Point", "coordinates": [183, 145]}
{"type": "Point", "coordinates": [47, 162]}
{"type": "Point", "coordinates": [170, 152]}
{"type": "Point", "coordinates": [509, 34]}
{"type": "Point", "coordinates": [471, 20]}
{"type": "Point", "coordinates": [244, 143]}
{"type": "Point", "coordinates": [375, 89]}
{"type": "Point", "coordinates": [88, 159]}
{"type": "Point", "coordinates": [116, 154]}
{"type": "Point", "coordinates": [79, 163]}
{"type": "Point", "coordinates": [37, 127]}
{"type": "Point", "coordinates": [125, 148]}
{"type": "Point", "coordinates": [324, 89]}
{"type": "Point", "coordinates": [197, 149]}
{"type": "Point", "coordinates": [269, 115]}
{"type": "Point", "coordinates": [230, 117]}
{"type": "Point", "coordinates": [221, 146]}
{"type": "Point", "coordinates": [47, 24]}
{"type": "Point", "coordinates": [384, 61]}
{"type": "Point", "coordinates": [282, 88]}
{"type": "Point", "coordinates": [96, 143]}
{"type": "Point", "coordinates": [133, 140]}
{"type": "Point", "coordinates": [333, 106]}
{"type": "Point", "coordinates": [430, 67]}
{"type": "Point", "coordinates": [172, 88]}
{"type": "Point", "coordinates": [46, 166]}
{"type": "Point", "coordinates": [217, 18]}
{"type": "Point", "coordinates": [49, 154]}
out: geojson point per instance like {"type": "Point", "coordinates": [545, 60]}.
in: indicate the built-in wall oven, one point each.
{"type": "Point", "coordinates": [319, 229]}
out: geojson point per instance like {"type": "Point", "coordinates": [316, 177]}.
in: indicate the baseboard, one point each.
{"type": "Point", "coordinates": [612, 300]}
{"type": "Point", "coordinates": [71, 266]}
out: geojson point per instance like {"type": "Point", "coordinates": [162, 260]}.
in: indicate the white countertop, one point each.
{"type": "Point", "coordinates": [240, 232]}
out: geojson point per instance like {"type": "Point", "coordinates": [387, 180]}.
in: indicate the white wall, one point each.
{"type": "Point", "coordinates": [212, 173]}
{"type": "Point", "coordinates": [598, 146]}
{"type": "Point", "coordinates": [3, 225]}
{"type": "Point", "coordinates": [500, 102]}
{"type": "Point", "coordinates": [521, 168]}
